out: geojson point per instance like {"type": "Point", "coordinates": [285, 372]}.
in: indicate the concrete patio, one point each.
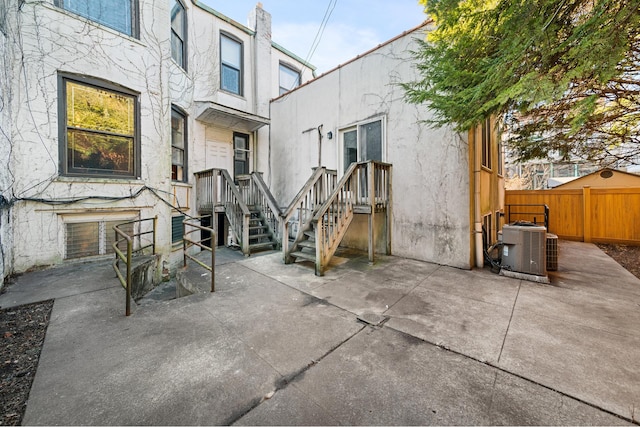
{"type": "Point", "coordinates": [277, 345]}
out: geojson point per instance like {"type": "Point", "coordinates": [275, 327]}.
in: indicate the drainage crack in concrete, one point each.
{"type": "Point", "coordinates": [284, 381]}
{"type": "Point", "coordinates": [513, 309]}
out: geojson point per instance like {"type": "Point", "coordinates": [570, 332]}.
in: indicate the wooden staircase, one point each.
{"type": "Point", "coordinates": [318, 217]}
{"type": "Point", "coordinates": [261, 236]}
{"type": "Point", "coordinates": [324, 212]}
{"type": "Point", "coordinates": [251, 210]}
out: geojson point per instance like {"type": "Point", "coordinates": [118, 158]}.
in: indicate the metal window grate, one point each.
{"type": "Point", "coordinates": [91, 238]}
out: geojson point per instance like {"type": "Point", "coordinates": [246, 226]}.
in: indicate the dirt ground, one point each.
{"type": "Point", "coordinates": [22, 332]}
{"type": "Point", "coordinates": [626, 256]}
{"type": "Point", "coordinates": [23, 328]}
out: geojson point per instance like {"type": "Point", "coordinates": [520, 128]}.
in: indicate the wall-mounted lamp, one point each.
{"type": "Point", "coordinates": [329, 135]}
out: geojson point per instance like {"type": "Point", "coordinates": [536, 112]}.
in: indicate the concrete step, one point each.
{"type": "Point", "coordinates": [165, 291]}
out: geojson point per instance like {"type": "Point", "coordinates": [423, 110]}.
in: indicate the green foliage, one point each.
{"type": "Point", "coordinates": [564, 74]}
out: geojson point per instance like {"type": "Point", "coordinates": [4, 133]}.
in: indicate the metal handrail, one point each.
{"type": "Point", "coordinates": [127, 257]}
{"type": "Point", "coordinates": [545, 213]}
{"type": "Point", "coordinates": [188, 243]}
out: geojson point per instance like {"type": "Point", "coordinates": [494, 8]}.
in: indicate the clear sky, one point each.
{"type": "Point", "coordinates": [354, 26]}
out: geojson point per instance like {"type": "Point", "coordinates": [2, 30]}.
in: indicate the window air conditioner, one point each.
{"type": "Point", "coordinates": [524, 249]}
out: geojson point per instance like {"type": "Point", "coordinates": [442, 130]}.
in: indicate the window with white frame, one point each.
{"type": "Point", "coordinates": [98, 129]}
{"type": "Point", "coordinates": [363, 142]}
{"type": "Point", "coordinates": [121, 15]}
{"type": "Point", "coordinates": [179, 33]}
{"type": "Point", "coordinates": [178, 146]}
{"type": "Point", "coordinates": [230, 64]}
{"type": "Point", "coordinates": [289, 78]}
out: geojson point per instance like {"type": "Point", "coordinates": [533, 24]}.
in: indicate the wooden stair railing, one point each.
{"type": "Point", "coordinates": [364, 188]}
{"type": "Point", "coordinates": [300, 211]}
{"type": "Point", "coordinates": [252, 212]}
{"type": "Point", "coordinates": [236, 210]}
{"type": "Point", "coordinates": [258, 198]}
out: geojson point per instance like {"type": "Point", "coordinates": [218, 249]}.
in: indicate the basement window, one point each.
{"type": "Point", "coordinates": [91, 238]}
{"type": "Point", "coordinates": [177, 229]}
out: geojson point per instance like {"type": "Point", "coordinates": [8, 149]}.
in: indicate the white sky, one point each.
{"type": "Point", "coordinates": [354, 27]}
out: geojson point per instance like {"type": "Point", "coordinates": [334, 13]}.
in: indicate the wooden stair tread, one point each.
{"type": "Point", "coordinates": [304, 255]}
{"type": "Point", "coordinates": [259, 236]}
{"type": "Point", "coordinates": [307, 244]}
{"type": "Point", "coordinates": [261, 245]}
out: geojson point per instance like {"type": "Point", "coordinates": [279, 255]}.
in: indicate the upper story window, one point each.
{"type": "Point", "coordinates": [230, 64]}
{"type": "Point", "coordinates": [178, 146]}
{"type": "Point", "coordinates": [98, 129]}
{"type": "Point", "coordinates": [289, 78]}
{"type": "Point", "coordinates": [179, 33]}
{"type": "Point", "coordinates": [486, 143]}
{"type": "Point", "coordinates": [120, 15]}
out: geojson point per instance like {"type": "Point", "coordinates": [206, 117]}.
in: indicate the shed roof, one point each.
{"type": "Point", "coordinates": [603, 178]}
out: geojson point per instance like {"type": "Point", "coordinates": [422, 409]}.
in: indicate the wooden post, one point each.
{"type": "Point", "coordinates": [372, 204]}
{"type": "Point", "coordinates": [586, 209]}
{"type": "Point", "coordinates": [389, 210]}
{"type": "Point", "coordinates": [319, 247]}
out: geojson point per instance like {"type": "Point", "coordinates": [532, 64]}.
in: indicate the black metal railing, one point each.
{"type": "Point", "coordinates": [532, 213]}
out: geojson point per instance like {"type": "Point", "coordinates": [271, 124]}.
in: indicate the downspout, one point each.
{"type": "Point", "coordinates": [477, 168]}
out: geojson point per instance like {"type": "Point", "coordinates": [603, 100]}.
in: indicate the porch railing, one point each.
{"type": "Point", "coordinates": [208, 190]}
{"type": "Point", "coordinates": [256, 194]}
{"type": "Point", "coordinates": [194, 225]}
{"type": "Point", "coordinates": [136, 242]}
{"type": "Point", "coordinates": [300, 211]}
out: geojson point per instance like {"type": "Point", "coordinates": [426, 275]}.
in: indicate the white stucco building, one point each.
{"type": "Point", "coordinates": [106, 113]}
{"type": "Point", "coordinates": [445, 185]}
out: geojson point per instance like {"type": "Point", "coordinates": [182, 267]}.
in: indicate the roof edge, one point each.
{"type": "Point", "coordinates": [381, 45]}
{"type": "Point", "coordinates": [294, 56]}
{"type": "Point", "coordinates": [223, 17]}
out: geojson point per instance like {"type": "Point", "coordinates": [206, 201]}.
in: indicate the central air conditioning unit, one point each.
{"type": "Point", "coordinates": [524, 249]}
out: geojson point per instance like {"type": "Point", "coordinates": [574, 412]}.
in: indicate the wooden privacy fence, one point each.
{"type": "Point", "coordinates": [599, 215]}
